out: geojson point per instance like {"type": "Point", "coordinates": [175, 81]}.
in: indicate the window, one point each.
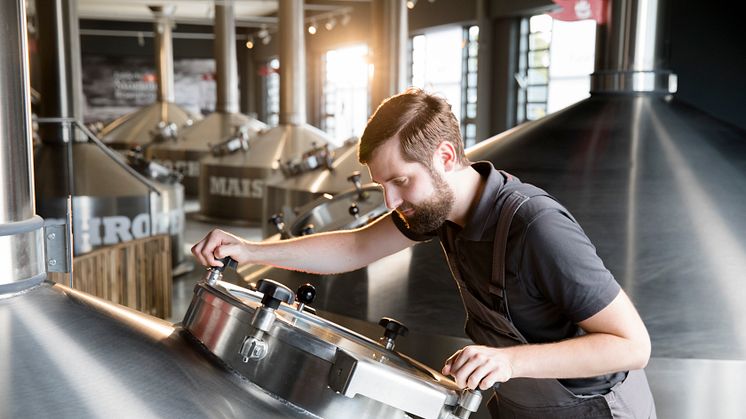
{"type": "Point", "coordinates": [345, 99]}
{"type": "Point", "coordinates": [271, 82]}
{"type": "Point", "coordinates": [445, 62]}
{"type": "Point", "coordinates": [555, 62]}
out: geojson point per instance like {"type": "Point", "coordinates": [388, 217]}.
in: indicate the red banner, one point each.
{"type": "Point", "coordinates": [581, 10]}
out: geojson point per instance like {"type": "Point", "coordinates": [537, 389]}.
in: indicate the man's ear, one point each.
{"type": "Point", "coordinates": [445, 154]}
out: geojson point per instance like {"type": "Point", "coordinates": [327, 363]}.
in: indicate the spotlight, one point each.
{"type": "Point", "coordinates": [263, 32]}
{"type": "Point", "coordinates": [312, 28]}
{"type": "Point", "coordinates": [346, 19]}
{"type": "Point", "coordinates": [250, 42]}
{"type": "Point", "coordinates": [411, 4]}
{"type": "Point", "coordinates": [266, 39]}
{"type": "Point", "coordinates": [330, 24]}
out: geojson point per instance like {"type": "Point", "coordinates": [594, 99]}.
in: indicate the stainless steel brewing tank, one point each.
{"type": "Point", "coordinates": [232, 185]}
{"type": "Point", "coordinates": [290, 194]}
{"type": "Point", "coordinates": [68, 354]}
{"type": "Point", "coordinates": [169, 206]}
{"type": "Point", "coordinates": [319, 366]}
{"type": "Point", "coordinates": [193, 143]}
{"type": "Point", "coordinates": [146, 125]}
{"type": "Point", "coordinates": [109, 204]}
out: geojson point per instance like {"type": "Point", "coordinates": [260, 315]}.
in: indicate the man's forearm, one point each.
{"type": "Point", "coordinates": [585, 356]}
{"type": "Point", "coordinates": [322, 253]}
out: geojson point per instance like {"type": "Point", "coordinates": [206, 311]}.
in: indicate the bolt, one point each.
{"type": "Point", "coordinates": [51, 236]}
{"type": "Point", "coordinates": [52, 262]}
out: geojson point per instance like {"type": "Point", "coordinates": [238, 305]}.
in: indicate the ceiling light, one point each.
{"type": "Point", "coordinates": [250, 42]}
{"type": "Point", "coordinates": [411, 4]}
{"type": "Point", "coordinates": [266, 39]}
{"type": "Point", "coordinates": [330, 24]}
{"type": "Point", "coordinates": [346, 19]}
{"type": "Point", "coordinates": [312, 28]}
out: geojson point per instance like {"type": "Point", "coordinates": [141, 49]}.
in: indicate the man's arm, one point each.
{"type": "Point", "coordinates": [617, 340]}
{"type": "Point", "coordinates": [321, 253]}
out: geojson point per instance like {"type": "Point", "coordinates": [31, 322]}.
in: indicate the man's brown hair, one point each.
{"type": "Point", "coordinates": [422, 121]}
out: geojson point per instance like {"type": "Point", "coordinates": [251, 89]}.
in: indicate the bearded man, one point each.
{"type": "Point", "coordinates": [556, 337]}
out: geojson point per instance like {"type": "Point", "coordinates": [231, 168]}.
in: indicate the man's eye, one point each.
{"type": "Point", "coordinates": [400, 181]}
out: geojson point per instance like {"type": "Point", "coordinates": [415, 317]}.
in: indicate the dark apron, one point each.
{"type": "Point", "coordinates": [531, 397]}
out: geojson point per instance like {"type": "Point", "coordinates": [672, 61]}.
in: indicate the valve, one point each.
{"type": "Point", "coordinates": [215, 273]}
{"type": "Point", "coordinates": [278, 220]}
{"type": "Point", "coordinates": [305, 294]}
{"type": "Point", "coordinates": [355, 179]}
{"type": "Point", "coordinates": [468, 403]}
{"type": "Point", "coordinates": [392, 329]}
{"type": "Point", "coordinates": [253, 346]}
{"type": "Point", "coordinates": [308, 229]}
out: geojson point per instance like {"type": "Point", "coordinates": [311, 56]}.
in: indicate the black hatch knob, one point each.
{"type": "Point", "coordinates": [354, 177]}
{"type": "Point", "coordinates": [308, 229]}
{"type": "Point", "coordinates": [354, 209]}
{"type": "Point", "coordinates": [278, 220]}
{"type": "Point", "coordinates": [274, 293]}
{"type": "Point", "coordinates": [306, 293]}
{"type": "Point", "coordinates": [228, 262]}
{"type": "Point", "coordinates": [393, 328]}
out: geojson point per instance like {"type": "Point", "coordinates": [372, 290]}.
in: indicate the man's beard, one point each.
{"type": "Point", "coordinates": [431, 214]}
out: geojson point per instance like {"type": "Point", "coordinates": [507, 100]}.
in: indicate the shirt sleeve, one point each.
{"type": "Point", "coordinates": [564, 266]}
{"type": "Point", "coordinates": [402, 225]}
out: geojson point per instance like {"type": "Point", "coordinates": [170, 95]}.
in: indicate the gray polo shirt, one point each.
{"type": "Point", "coordinates": [554, 278]}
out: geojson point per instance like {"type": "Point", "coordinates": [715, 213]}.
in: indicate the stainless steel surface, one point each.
{"type": "Point", "coordinates": [232, 187]}
{"type": "Point", "coordinates": [297, 191]}
{"type": "Point", "coordinates": [109, 204]}
{"type": "Point", "coordinates": [305, 350]}
{"type": "Point", "coordinates": [67, 354]}
{"type": "Point", "coordinates": [168, 205]}
{"type": "Point", "coordinates": [630, 48]}
{"type": "Point", "coordinates": [196, 142]}
{"type": "Point", "coordinates": [698, 388]}
{"type": "Point", "coordinates": [225, 57]}
{"type": "Point", "coordinates": [162, 120]}
{"type": "Point", "coordinates": [389, 49]}
{"type": "Point", "coordinates": [59, 55]}
{"type": "Point", "coordinates": [15, 124]}
{"type": "Point", "coordinates": [164, 52]}
{"type": "Point", "coordinates": [141, 127]}
{"type": "Point", "coordinates": [21, 231]}
{"type": "Point", "coordinates": [292, 43]}
{"type": "Point", "coordinates": [336, 213]}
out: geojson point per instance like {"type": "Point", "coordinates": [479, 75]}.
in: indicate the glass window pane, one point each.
{"type": "Point", "coordinates": [471, 110]}
{"type": "Point", "coordinates": [535, 111]}
{"type": "Point", "coordinates": [471, 79]}
{"type": "Point", "coordinates": [536, 93]}
{"type": "Point", "coordinates": [471, 65]}
{"type": "Point", "coordinates": [538, 59]}
{"type": "Point", "coordinates": [538, 76]}
{"type": "Point", "coordinates": [540, 23]}
{"type": "Point", "coordinates": [474, 33]}
{"type": "Point", "coordinates": [539, 40]}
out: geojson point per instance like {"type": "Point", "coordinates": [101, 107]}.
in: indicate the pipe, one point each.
{"type": "Point", "coordinates": [225, 58]}
{"type": "Point", "coordinates": [61, 81]}
{"type": "Point", "coordinates": [21, 230]}
{"type": "Point", "coordinates": [629, 50]}
{"type": "Point", "coordinates": [390, 33]}
{"type": "Point", "coordinates": [164, 53]}
{"type": "Point", "coordinates": [293, 63]}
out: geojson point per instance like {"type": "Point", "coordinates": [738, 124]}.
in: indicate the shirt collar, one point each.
{"type": "Point", "coordinates": [484, 211]}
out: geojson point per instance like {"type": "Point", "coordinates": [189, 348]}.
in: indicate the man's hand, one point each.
{"type": "Point", "coordinates": [217, 245]}
{"type": "Point", "coordinates": [479, 366]}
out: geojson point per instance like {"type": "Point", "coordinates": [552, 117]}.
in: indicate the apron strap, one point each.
{"type": "Point", "coordinates": [512, 203]}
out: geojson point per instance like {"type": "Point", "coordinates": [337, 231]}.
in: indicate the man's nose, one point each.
{"type": "Point", "coordinates": [393, 200]}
